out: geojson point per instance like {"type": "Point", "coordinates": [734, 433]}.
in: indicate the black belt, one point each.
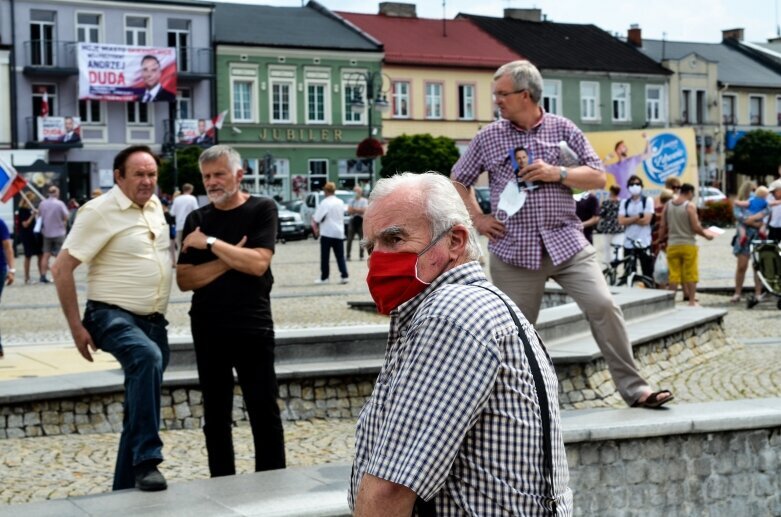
{"type": "Point", "coordinates": [155, 316]}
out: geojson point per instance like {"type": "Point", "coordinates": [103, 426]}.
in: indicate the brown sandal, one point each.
{"type": "Point", "coordinates": [655, 400]}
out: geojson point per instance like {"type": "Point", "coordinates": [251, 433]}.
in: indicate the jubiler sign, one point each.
{"type": "Point", "coordinates": [126, 74]}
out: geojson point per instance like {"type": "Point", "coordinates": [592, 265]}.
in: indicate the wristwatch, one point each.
{"type": "Point", "coordinates": [209, 242]}
{"type": "Point", "coordinates": [562, 174]}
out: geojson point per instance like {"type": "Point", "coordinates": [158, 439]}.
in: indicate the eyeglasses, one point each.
{"type": "Point", "coordinates": [503, 95]}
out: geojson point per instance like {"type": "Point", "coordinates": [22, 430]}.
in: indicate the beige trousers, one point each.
{"type": "Point", "coordinates": [582, 279]}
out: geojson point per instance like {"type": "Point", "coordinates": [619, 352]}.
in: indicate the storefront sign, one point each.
{"type": "Point", "coordinates": [300, 135]}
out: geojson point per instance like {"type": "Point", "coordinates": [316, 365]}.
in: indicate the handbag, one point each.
{"type": "Point", "coordinates": [38, 225]}
{"type": "Point", "coordinates": [661, 268]}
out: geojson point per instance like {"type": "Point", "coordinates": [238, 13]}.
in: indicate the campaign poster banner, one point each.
{"type": "Point", "coordinates": [126, 73]}
{"type": "Point", "coordinates": [59, 129]}
{"type": "Point", "coordinates": [194, 131]}
{"type": "Point", "coordinates": [653, 155]}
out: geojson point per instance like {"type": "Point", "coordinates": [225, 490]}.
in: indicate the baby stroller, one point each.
{"type": "Point", "coordinates": [766, 259]}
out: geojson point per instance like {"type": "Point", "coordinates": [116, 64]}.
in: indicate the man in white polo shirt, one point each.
{"type": "Point", "coordinates": [123, 237]}
{"type": "Point", "coordinates": [328, 222]}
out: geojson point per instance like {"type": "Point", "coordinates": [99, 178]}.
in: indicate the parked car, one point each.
{"type": "Point", "coordinates": [708, 195]}
{"type": "Point", "coordinates": [313, 199]}
{"type": "Point", "coordinates": [483, 195]}
{"type": "Point", "coordinates": [290, 224]}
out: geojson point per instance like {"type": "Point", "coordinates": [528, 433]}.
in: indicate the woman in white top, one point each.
{"type": "Point", "coordinates": [636, 214]}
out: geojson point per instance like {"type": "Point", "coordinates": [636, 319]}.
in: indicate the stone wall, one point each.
{"type": "Point", "coordinates": [725, 473]}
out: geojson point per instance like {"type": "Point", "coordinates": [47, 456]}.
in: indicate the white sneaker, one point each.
{"type": "Point", "coordinates": [344, 280]}
{"type": "Point", "coordinates": [321, 281]}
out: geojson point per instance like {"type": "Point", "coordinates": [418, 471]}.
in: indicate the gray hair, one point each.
{"type": "Point", "coordinates": [216, 152]}
{"type": "Point", "coordinates": [443, 206]}
{"type": "Point", "coordinates": [525, 76]}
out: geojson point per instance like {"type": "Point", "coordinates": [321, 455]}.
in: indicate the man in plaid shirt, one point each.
{"type": "Point", "coordinates": [454, 419]}
{"type": "Point", "coordinates": [544, 239]}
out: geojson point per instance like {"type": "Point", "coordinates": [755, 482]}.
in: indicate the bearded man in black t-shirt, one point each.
{"type": "Point", "coordinates": [226, 261]}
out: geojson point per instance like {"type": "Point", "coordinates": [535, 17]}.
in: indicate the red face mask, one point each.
{"type": "Point", "coordinates": [393, 277]}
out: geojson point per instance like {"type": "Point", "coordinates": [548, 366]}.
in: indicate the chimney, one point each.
{"type": "Point", "coordinates": [529, 15]}
{"type": "Point", "coordinates": [398, 9]}
{"type": "Point", "coordinates": [736, 34]}
{"type": "Point", "coordinates": [635, 35]}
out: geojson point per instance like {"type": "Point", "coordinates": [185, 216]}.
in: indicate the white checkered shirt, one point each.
{"type": "Point", "coordinates": [454, 413]}
{"type": "Point", "coordinates": [547, 222]}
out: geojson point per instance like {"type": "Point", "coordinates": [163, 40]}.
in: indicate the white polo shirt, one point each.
{"type": "Point", "coordinates": [332, 208]}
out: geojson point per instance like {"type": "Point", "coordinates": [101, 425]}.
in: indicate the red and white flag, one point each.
{"type": "Point", "coordinates": [219, 119]}
{"type": "Point", "coordinates": [45, 104]}
{"type": "Point", "coordinates": [10, 182]}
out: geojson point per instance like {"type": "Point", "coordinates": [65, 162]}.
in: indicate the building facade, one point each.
{"type": "Point", "coordinates": [297, 96]}
{"type": "Point", "coordinates": [46, 78]}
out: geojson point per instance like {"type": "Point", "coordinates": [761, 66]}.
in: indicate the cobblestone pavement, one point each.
{"type": "Point", "coordinates": [69, 465]}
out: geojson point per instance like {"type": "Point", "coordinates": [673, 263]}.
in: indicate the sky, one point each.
{"type": "Point", "coordinates": [674, 20]}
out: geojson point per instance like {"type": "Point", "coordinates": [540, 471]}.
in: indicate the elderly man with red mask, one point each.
{"type": "Point", "coordinates": [464, 417]}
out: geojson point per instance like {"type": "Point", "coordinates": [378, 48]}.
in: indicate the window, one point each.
{"type": "Point", "coordinates": [184, 102]}
{"type": "Point", "coordinates": [400, 99]}
{"type": "Point", "coordinates": [51, 98]}
{"type": "Point", "coordinates": [551, 97]}
{"type": "Point", "coordinates": [755, 110]}
{"type": "Point", "coordinates": [620, 95]}
{"type": "Point", "coordinates": [88, 27]}
{"type": "Point", "coordinates": [179, 38]}
{"type": "Point", "coordinates": [354, 91]}
{"type": "Point", "coordinates": [686, 100]}
{"type": "Point", "coordinates": [242, 101]}
{"type": "Point", "coordinates": [90, 112]}
{"type": "Point", "coordinates": [778, 111]}
{"type": "Point", "coordinates": [42, 37]}
{"type": "Point", "coordinates": [466, 102]}
{"type": "Point", "coordinates": [318, 174]}
{"type": "Point", "coordinates": [136, 28]}
{"type": "Point", "coordinates": [434, 100]}
{"type": "Point", "coordinates": [138, 113]}
{"type": "Point", "coordinates": [589, 100]}
{"type": "Point", "coordinates": [700, 109]}
{"type": "Point", "coordinates": [728, 109]}
{"type": "Point", "coordinates": [318, 102]}
{"type": "Point", "coordinates": [282, 92]}
{"type": "Point", "coordinates": [654, 103]}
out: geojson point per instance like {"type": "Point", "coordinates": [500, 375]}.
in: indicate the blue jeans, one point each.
{"type": "Point", "coordinates": [326, 245]}
{"type": "Point", "coordinates": [140, 344]}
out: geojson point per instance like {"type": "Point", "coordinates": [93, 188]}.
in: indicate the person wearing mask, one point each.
{"type": "Point", "coordinates": [635, 215]}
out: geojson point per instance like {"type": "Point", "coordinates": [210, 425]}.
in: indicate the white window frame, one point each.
{"type": "Point", "coordinates": [397, 96]}
{"type": "Point", "coordinates": [87, 121]}
{"type": "Point", "coordinates": [45, 59]}
{"type": "Point", "coordinates": [137, 108]}
{"type": "Point", "coordinates": [183, 65]}
{"type": "Point", "coordinates": [320, 78]}
{"type": "Point", "coordinates": [621, 102]}
{"type": "Point", "coordinates": [551, 96]}
{"type": "Point", "coordinates": [733, 103]}
{"type": "Point", "coordinates": [51, 99]}
{"type": "Point", "coordinates": [654, 105]}
{"type": "Point", "coordinates": [147, 31]}
{"type": "Point", "coordinates": [244, 74]}
{"type": "Point", "coordinates": [309, 174]}
{"type": "Point", "coordinates": [87, 27]}
{"type": "Point", "coordinates": [466, 103]}
{"type": "Point", "coordinates": [282, 76]}
{"type": "Point", "coordinates": [434, 100]}
{"type": "Point", "coordinates": [589, 105]}
{"type": "Point", "coordinates": [761, 99]}
{"type": "Point", "coordinates": [184, 97]}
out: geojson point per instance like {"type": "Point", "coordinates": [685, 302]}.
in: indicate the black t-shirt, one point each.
{"type": "Point", "coordinates": [235, 299]}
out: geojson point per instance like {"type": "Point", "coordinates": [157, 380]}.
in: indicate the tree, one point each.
{"type": "Point", "coordinates": [757, 154]}
{"type": "Point", "coordinates": [187, 170]}
{"type": "Point", "coordinates": [419, 153]}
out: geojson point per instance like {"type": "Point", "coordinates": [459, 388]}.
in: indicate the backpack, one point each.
{"type": "Point", "coordinates": [643, 200]}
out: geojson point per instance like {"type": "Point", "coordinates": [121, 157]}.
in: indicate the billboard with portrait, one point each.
{"type": "Point", "coordinates": [195, 131]}
{"type": "Point", "coordinates": [126, 73]}
{"type": "Point", "coordinates": [66, 130]}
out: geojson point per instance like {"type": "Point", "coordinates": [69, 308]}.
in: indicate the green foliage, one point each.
{"type": "Point", "coordinates": [188, 171]}
{"type": "Point", "coordinates": [716, 213]}
{"type": "Point", "coordinates": [757, 154]}
{"type": "Point", "coordinates": [419, 153]}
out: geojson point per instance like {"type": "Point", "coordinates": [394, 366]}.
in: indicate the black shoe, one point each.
{"type": "Point", "coordinates": [752, 302]}
{"type": "Point", "coordinates": [149, 479]}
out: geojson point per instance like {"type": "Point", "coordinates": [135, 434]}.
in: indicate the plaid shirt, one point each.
{"type": "Point", "coordinates": [547, 222]}
{"type": "Point", "coordinates": [454, 413]}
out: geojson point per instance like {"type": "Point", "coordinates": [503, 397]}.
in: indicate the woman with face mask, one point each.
{"type": "Point", "coordinates": [635, 214]}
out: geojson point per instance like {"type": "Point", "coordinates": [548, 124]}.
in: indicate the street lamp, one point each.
{"type": "Point", "coordinates": [369, 83]}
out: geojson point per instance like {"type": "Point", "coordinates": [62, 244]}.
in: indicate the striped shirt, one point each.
{"type": "Point", "coordinates": [547, 222]}
{"type": "Point", "coordinates": [454, 414]}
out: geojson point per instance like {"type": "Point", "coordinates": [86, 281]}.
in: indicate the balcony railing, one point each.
{"type": "Point", "coordinates": [50, 54]}
{"type": "Point", "coordinates": [195, 61]}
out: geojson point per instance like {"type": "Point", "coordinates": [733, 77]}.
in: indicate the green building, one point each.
{"type": "Point", "coordinates": [295, 82]}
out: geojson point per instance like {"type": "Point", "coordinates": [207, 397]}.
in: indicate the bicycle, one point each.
{"type": "Point", "coordinates": [630, 277]}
